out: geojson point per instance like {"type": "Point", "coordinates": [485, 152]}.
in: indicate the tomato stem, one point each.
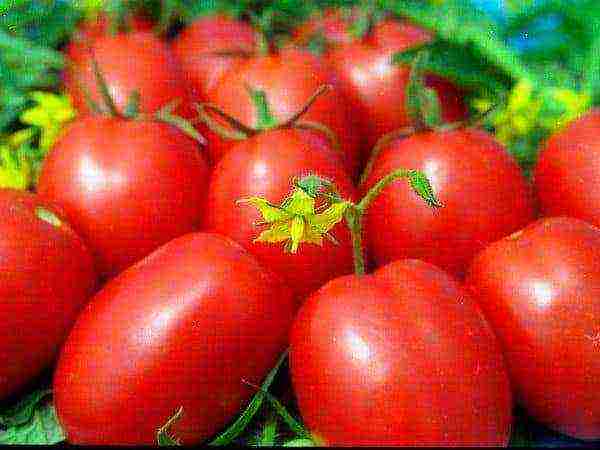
{"type": "Point", "coordinates": [354, 221]}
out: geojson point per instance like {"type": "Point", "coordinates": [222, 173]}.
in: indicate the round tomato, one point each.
{"type": "Point", "coordinates": [189, 327]}
{"type": "Point", "coordinates": [400, 357]}
{"type": "Point", "coordinates": [211, 46]}
{"type": "Point", "coordinates": [484, 193]}
{"type": "Point", "coordinates": [126, 186]}
{"type": "Point", "coordinates": [288, 80]}
{"type": "Point", "coordinates": [374, 85]}
{"type": "Point", "coordinates": [46, 276]}
{"type": "Point", "coordinates": [265, 166]}
{"type": "Point", "coordinates": [539, 290]}
{"type": "Point", "coordinates": [566, 176]}
{"type": "Point", "coordinates": [137, 61]}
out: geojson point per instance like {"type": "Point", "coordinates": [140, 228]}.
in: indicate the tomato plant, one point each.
{"type": "Point", "coordinates": [127, 186]}
{"type": "Point", "coordinates": [407, 353]}
{"type": "Point", "coordinates": [130, 62]}
{"type": "Point", "coordinates": [374, 85]}
{"type": "Point", "coordinates": [188, 327]}
{"type": "Point", "coordinates": [211, 46]}
{"type": "Point", "coordinates": [538, 288]}
{"type": "Point", "coordinates": [287, 80]}
{"type": "Point", "coordinates": [264, 166]}
{"type": "Point", "coordinates": [566, 175]}
{"type": "Point", "coordinates": [47, 276]}
{"type": "Point", "coordinates": [484, 193]}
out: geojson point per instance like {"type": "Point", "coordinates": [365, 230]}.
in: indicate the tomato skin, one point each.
{"type": "Point", "coordinates": [484, 193]}
{"type": "Point", "coordinates": [129, 62]}
{"type": "Point", "coordinates": [289, 79]}
{"type": "Point", "coordinates": [407, 353]}
{"type": "Point", "coordinates": [198, 47]}
{"type": "Point", "coordinates": [46, 276]}
{"type": "Point", "coordinates": [266, 166]}
{"type": "Point", "coordinates": [566, 176]}
{"type": "Point", "coordinates": [539, 290]}
{"type": "Point", "coordinates": [128, 198]}
{"type": "Point", "coordinates": [374, 85]}
{"type": "Point", "coordinates": [184, 327]}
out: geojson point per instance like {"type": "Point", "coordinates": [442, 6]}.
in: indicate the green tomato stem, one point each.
{"type": "Point", "coordinates": [380, 186]}
{"type": "Point", "coordinates": [354, 220]}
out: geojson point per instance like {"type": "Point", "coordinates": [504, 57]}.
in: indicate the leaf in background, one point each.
{"type": "Point", "coordinates": [22, 412]}
{"type": "Point", "coordinates": [164, 436]}
{"type": "Point", "coordinates": [41, 428]}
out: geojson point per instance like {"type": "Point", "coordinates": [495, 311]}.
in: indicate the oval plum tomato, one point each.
{"type": "Point", "coordinates": [129, 62]}
{"type": "Point", "coordinates": [567, 174]}
{"type": "Point", "coordinates": [400, 357]}
{"type": "Point", "coordinates": [265, 166]}
{"type": "Point", "coordinates": [187, 327]}
{"type": "Point", "coordinates": [288, 79]}
{"type": "Point", "coordinates": [211, 46]}
{"type": "Point", "coordinates": [46, 276]}
{"type": "Point", "coordinates": [539, 290]}
{"type": "Point", "coordinates": [126, 186]}
{"type": "Point", "coordinates": [374, 85]}
{"type": "Point", "coordinates": [484, 193]}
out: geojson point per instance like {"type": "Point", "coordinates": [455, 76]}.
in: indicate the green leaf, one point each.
{"type": "Point", "coordinates": [422, 103]}
{"type": "Point", "coordinates": [591, 69]}
{"type": "Point", "coordinates": [242, 422]}
{"type": "Point", "coordinates": [22, 412]}
{"type": "Point", "coordinates": [264, 118]}
{"type": "Point", "coordinates": [164, 436]}
{"type": "Point", "coordinates": [420, 184]}
{"type": "Point", "coordinates": [41, 429]}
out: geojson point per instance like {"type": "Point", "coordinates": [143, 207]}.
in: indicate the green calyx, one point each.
{"type": "Point", "coordinates": [164, 436]}
{"type": "Point", "coordinates": [298, 220]}
{"type": "Point", "coordinates": [422, 103]}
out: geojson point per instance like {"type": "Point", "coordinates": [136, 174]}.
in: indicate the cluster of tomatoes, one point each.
{"type": "Point", "coordinates": [135, 265]}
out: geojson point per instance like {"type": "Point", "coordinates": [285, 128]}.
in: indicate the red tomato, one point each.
{"type": "Point", "coordinates": [400, 357]}
{"type": "Point", "coordinates": [127, 186]}
{"type": "Point", "coordinates": [185, 327]}
{"type": "Point", "coordinates": [289, 80]}
{"type": "Point", "coordinates": [46, 276]}
{"type": "Point", "coordinates": [376, 87]}
{"type": "Point", "coordinates": [539, 290]}
{"type": "Point", "coordinates": [484, 193]}
{"type": "Point", "coordinates": [211, 46]}
{"type": "Point", "coordinates": [129, 62]}
{"type": "Point", "coordinates": [566, 176]}
{"type": "Point", "coordinates": [265, 166]}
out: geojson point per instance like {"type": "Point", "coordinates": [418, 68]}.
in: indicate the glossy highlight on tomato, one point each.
{"type": "Point", "coordinates": [567, 173]}
{"type": "Point", "coordinates": [483, 191]}
{"type": "Point", "coordinates": [46, 277]}
{"type": "Point", "coordinates": [539, 290]}
{"type": "Point", "coordinates": [400, 357]}
{"type": "Point", "coordinates": [189, 327]}
{"type": "Point", "coordinates": [126, 186]}
{"type": "Point", "coordinates": [266, 166]}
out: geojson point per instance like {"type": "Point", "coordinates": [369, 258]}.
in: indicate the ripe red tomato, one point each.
{"type": "Point", "coordinates": [539, 290]}
{"type": "Point", "coordinates": [46, 276]}
{"type": "Point", "coordinates": [484, 193]}
{"type": "Point", "coordinates": [185, 327]}
{"type": "Point", "coordinates": [265, 166]}
{"type": "Point", "coordinates": [127, 186]}
{"type": "Point", "coordinates": [400, 357]}
{"type": "Point", "coordinates": [374, 85]}
{"type": "Point", "coordinates": [211, 46]}
{"type": "Point", "coordinates": [288, 80]}
{"type": "Point", "coordinates": [129, 62]}
{"type": "Point", "coordinates": [566, 176]}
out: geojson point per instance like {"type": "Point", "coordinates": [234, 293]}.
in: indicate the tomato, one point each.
{"type": "Point", "coordinates": [374, 85]}
{"type": "Point", "coordinates": [265, 166]}
{"type": "Point", "coordinates": [566, 176]}
{"type": "Point", "coordinates": [288, 80]}
{"type": "Point", "coordinates": [400, 357]}
{"type": "Point", "coordinates": [539, 290]}
{"type": "Point", "coordinates": [129, 62]}
{"type": "Point", "coordinates": [185, 327]}
{"type": "Point", "coordinates": [46, 276]}
{"type": "Point", "coordinates": [211, 46]}
{"type": "Point", "coordinates": [484, 193]}
{"type": "Point", "coordinates": [126, 186]}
